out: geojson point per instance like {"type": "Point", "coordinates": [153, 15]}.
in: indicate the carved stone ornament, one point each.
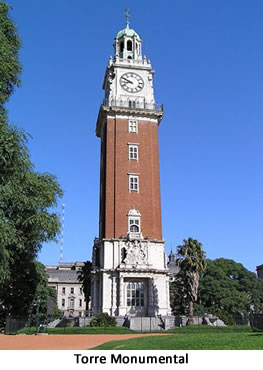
{"type": "Point", "coordinates": [136, 253]}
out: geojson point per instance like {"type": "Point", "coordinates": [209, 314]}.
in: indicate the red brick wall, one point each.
{"type": "Point", "coordinates": [118, 200]}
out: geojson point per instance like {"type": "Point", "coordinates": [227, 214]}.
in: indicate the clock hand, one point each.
{"type": "Point", "coordinates": [127, 80]}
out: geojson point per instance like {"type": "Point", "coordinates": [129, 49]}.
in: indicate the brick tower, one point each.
{"type": "Point", "coordinates": [130, 272]}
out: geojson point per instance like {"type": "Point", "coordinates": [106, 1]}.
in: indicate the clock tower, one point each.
{"type": "Point", "coordinates": [130, 275]}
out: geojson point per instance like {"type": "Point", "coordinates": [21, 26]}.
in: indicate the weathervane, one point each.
{"type": "Point", "coordinates": [127, 17]}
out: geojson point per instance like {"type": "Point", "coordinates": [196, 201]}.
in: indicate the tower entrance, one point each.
{"type": "Point", "coordinates": [136, 298]}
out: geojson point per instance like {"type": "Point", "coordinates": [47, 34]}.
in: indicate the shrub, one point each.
{"type": "Point", "coordinates": [103, 319]}
{"type": "Point", "coordinates": [225, 317]}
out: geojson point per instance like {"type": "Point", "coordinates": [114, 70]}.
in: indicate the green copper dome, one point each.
{"type": "Point", "coordinates": [128, 32]}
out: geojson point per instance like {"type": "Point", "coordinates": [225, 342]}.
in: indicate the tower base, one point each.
{"type": "Point", "coordinates": [131, 279]}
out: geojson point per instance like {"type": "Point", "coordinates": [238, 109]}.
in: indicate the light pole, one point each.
{"type": "Point", "coordinates": [37, 314]}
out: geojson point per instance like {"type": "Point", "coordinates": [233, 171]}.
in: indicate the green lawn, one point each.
{"type": "Point", "coordinates": [187, 338]}
{"type": "Point", "coordinates": [194, 338]}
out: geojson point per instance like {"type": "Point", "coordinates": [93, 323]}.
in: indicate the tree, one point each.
{"type": "Point", "coordinates": [84, 276]}
{"type": "Point", "coordinates": [10, 67]}
{"type": "Point", "coordinates": [43, 295]}
{"type": "Point", "coordinates": [191, 260]}
{"type": "Point", "coordinates": [228, 290]}
{"type": "Point", "coordinates": [25, 220]}
{"type": "Point", "coordinates": [26, 196]}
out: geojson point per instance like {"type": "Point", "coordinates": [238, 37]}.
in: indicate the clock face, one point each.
{"type": "Point", "coordinates": [131, 82]}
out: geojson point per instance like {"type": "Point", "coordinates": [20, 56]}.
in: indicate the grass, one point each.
{"type": "Point", "coordinates": [194, 338]}
{"type": "Point", "coordinates": [79, 330]}
{"type": "Point", "coordinates": [186, 338]}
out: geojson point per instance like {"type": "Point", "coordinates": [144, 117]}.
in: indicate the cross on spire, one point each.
{"type": "Point", "coordinates": [127, 14]}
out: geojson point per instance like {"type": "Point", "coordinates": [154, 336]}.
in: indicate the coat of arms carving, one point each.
{"type": "Point", "coordinates": [136, 253]}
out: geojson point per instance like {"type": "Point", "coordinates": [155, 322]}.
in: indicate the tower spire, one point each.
{"type": "Point", "coordinates": [127, 14]}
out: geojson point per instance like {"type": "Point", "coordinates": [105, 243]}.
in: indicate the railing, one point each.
{"type": "Point", "coordinates": [132, 104]}
{"type": "Point", "coordinates": [143, 61]}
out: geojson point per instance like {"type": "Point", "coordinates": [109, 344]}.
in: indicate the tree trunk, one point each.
{"type": "Point", "coordinates": [191, 314]}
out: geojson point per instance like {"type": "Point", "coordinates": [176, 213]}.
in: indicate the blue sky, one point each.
{"type": "Point", "coordinates": [208, 61]}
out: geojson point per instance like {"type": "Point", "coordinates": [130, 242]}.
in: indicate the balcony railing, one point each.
{"type": "Point", "coordinates": [132, 104]}
{"type": "Point", "coordinates": [143, 61]}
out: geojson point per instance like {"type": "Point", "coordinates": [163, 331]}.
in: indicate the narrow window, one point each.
{"type": "Point", "coordinates": [80, 303]}
{"type": "Point", "coordinates": [132, 104]}
{"type": "Point", "coordinates": [71, 303]}
{"type": "Point", "coordinates": [134, 222]}
{"type": "Point", "coordinates": [63, 290]}
{"type": "Point", "coordinates": [134, 225]}
{"type": "Point", "coordinates": [133, 152]}
{"type": "Point", "coordinates": [63, 302]}
{"type": "Point", "coordinates": [133, 126]}
{"type": "Point", "coordinates": [129, 45]}
{"type": "Point", "coordinates": [134, 183]}
{"type": "Point", "coordinates": [72, 290]}
{"type": "Point", "coordinates": [80, 291]}
{"type": "Point", "coordinates": [121, 46]}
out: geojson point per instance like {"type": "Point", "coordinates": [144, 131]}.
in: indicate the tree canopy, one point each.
{"type": "Point", "coordinates": [43, 296]}
{"type": "Point", "coordinates": [10, 66]}
{"type": "Point", "coordinates": [26, 196]}
{"type": "Point", "coordinates": [226, 289]}
{"type": "Point", "coordinates": [229, 290]}
{"type": "Point", "coordinates": [84, 276]}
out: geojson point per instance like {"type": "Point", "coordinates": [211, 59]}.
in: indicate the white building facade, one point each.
{"type": "Point", "coordinates": [70, 296]}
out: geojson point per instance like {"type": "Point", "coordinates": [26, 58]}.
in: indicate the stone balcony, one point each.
{"type": "Point", "coordinates": [136, 108]}
{"type": "Point", "coordinates": [143, 62]}
{"type": "Point", "coordinates": [132, 104]}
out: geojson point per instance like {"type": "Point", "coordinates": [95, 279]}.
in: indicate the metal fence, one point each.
{"type": "Point", "coordinates": [13, 325]}
{"type": "Point", "coordinates": [179, 322]}
{"type": "Point", "coordinates": [256, 321]}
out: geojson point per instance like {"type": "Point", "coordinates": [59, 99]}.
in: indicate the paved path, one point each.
{"type": "Point", "coordinates": [61, 342]}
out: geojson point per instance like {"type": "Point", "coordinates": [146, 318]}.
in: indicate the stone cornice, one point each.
{"type": "Point", "coordinates": [133, 270]}
{"type": "Point", "coordinates": [125, 239]}
{"type": "Point", "coordinates": [135, 112]}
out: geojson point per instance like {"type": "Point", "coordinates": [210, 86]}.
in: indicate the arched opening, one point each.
{"type": "Point", "coordinates": [134, 228]}
{"type": "Point", "coordinates": [129, 57]}
{"type": "Point", "coordinates": [129, 45]}
{"type": "Point", "coordinates": [121, 46]}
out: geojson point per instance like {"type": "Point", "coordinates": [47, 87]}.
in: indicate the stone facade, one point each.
{"type": "Point", "coordinates": [70, 297]}
{"type": "Point", "coordinates": [133, 275]}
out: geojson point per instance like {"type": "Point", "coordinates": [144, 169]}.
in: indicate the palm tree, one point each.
{"type": "Point", "coordinates": [84, 276]}
{"type": "Point", "coordinates": [191, 260]}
